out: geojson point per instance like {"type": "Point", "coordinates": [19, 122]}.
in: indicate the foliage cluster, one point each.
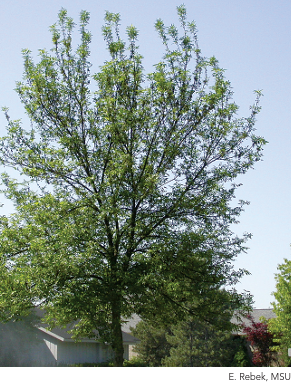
{"type": "Point", "coordinates": [280, 326]}
{"type": "Point", "coordinates": [241, 357]}
{"type": "Point", "coordinates": [261, 340]}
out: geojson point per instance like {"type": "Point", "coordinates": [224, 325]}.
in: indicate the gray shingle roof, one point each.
{"type": "Point", "coordinates": [256, 313]}
{"type": "Point", "coordinates": [132, 322]}
{"type": "Point", "coordinates": [63, 334]}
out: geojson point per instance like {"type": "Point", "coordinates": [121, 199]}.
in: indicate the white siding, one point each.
{"type": "Point", "coordinates": [126, 351]}
{"type": "Point", "coordinates": [107, 353]}
{"type": "Point", "coordinates": [132, 353]}
{"type": "Point", "coordinates": [81, 352]}
{"type": "Point", "coordinates": [53, 348]}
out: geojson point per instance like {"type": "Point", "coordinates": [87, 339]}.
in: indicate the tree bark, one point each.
{"type": "Point", "coordinates": [117, 336]}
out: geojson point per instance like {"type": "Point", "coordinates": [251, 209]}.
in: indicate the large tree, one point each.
{"type": "Point", "coordinates": [126, 201]}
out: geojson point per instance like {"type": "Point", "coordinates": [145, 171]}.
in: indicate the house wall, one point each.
{"type": "Point", "coordinates": [132, 353]}
{"type": "Point", "coordinates": [21, 345]}
{"type": "Point", "coordinates": [126, 351]}
{"type": "Point", "coordinates": [107, 353]}
{"type": "Point", "coordinates": [53, 348]}
{"type": "Point", "coordinates": [80, 352]}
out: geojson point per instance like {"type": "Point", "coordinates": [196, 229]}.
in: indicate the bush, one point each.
{"type": "Point", "coordinates": [241, 357]}
{"type": "Point", "coordinates": [261, 340]}
{"type": "Point", "coordinates": [135, 362]}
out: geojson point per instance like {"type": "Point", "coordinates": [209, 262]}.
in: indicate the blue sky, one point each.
{"type": "Point", "coordinates": [251, 40]}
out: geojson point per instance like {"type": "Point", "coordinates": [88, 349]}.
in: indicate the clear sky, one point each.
{"type": "Point", "coordinates": [251, 40]}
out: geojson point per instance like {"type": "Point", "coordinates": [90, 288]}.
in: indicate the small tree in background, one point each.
{"type": "Point", "coordinates": [261, 340]}
{"type": "Point", "coordinates": [192, 342]}
{"type": "Point", "coordinates": [281, 325]}
{"type": "Point", "coordinates": [198, 344]}
{"type": "Point", "coordinates": [153, 346]}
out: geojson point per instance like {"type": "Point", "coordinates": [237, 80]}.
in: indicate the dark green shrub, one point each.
{"type": "Point", "coordinates": [135, 362]}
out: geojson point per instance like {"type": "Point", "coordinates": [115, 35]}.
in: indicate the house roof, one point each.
{"type": "Point", "coordinates": [131, 322]}
{"type": "Point", "coordinates": [63, 334]}
{"type": "Point", "coordinates": [257, 314]}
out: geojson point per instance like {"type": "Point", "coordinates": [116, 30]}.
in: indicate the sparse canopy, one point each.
{"type": "Point", "coordinates": [125, 205]}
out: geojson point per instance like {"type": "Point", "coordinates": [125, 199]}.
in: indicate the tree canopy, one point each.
{"type": "Point", "coordinates": [126, 201]}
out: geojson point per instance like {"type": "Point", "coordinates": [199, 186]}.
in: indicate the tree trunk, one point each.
{"type": "Point", "coordinates": [117, 336]}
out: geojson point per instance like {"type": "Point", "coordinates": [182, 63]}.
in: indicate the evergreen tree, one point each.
{"type": "Point", "coordinates": [153, 346]}
{"type": "Point", "coordinates": [198, 344]}
{"type": "Point", "coordinates": [191, 343]}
